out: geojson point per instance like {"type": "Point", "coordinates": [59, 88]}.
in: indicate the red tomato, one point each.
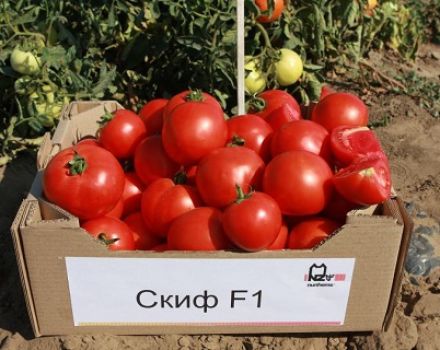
{"type": "Point", "coordinates": [222, 170]}
{"type": "Point", "coordinates": [151, 161]}
{"type": "Point", "coordinates": [253, 221]}
{"type": "Point", "coordinates": [114, 233]}
{"type": "Point", "coordinates": [143, 238]}
{"type": "Point", "coordinates": [348, 143]}
{"type": "Point", "coordinates": [116, 212]}
{"type": "Point", "coordinates": [131, 197]}
{"type": "Point", "coordinates": [280, 241]}
{"type": "Point", "coordinates": [299, 181]}
{"type": "Point", "coordinates": [160, 247]}
{"type": "Point", "coordinates": [163, 201]}
{"type": "Point", "coordinates": [338, 207]}
{"type": "Point", "coordinates": [192, 130]}
{"type": "Point", "coordinates": [279, 108]}
{"type": "Point", "coordinates": [198, 229]}
{"type": "Point", "coordinates": [301, 135]}
{"type": "Point", "coordinates": [152, 115]}
{"type": "Point", "coordinates": [251, 131]}
{"type": "Point", "coordinates": [325, 91]}
{"type": "Point", "coordinates": [85, 180]}
{"type": "Point", "coordinates": [366, 181]}
{"type": "Point", "coordinates": [340, 109]}
{"type": "Point", "coordinates": [310, 232]}
{"type": "Point", "coordinates": [189, 95]}
{"type": "Point", "coordinates": [122, 133]}
{"type": "Point", "coordinates": [89, 141]}
{"type": "Point", "coordinates": [274, 15]}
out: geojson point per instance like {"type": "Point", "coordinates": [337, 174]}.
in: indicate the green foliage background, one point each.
{"type": "Point", "coordinates": [134, 51]}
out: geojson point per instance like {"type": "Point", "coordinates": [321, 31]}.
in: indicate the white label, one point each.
{"type": "Point", "coordinates": [129, 291]}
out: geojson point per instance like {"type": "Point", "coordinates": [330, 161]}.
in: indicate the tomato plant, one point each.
{"type": "Point", "coordinates": [250, 131]}
{"type": "Point", "coordinates": [223, 169]}
{"type": "Point", "coordinates": [299, 181]}
{"type": "Point", "coordinates": [367, 181]}
{"type": "Point", "coordinates": [152, 115]}
{"type": "Point", "coordinates": [193, 129]}
{"type": "Point", "coordinates": [301, 135]}
{"type": "Point", "coordinates": [340, 109]}
{"type": "Point", "coordinates": [253, 221]}
{"type": "Point", "coordinates": [198, 229]}
{"type": "Point", "coordinates": [121, 133]}
{"type": "Point", "coordinates": [132, 194]}
{"type": "Point", "coordinates": [310, 232]}
{"type": "Point", "coordinates": [151, 162]}
{"type": "Point", "coordinates": [348, 143]}
{"type": "Point", "coordinates": [163, 201]}
{"type": "Point", "coordinates": [142, 236]}
{"type": "Point", "coordinates": [274, 15]}
{"type": "Point", "coordinates": [114, 233]}
{"type": "Point", "coordinates": [85, 180]}
{"type": "Point", "coordinates": [288, 68]}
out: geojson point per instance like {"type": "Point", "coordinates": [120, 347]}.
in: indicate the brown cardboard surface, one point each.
{"type": "Point", "coordinates": [44, 235]}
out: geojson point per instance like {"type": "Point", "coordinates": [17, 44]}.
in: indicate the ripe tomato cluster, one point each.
{"type": "Point", "coordinates": [265, 180]}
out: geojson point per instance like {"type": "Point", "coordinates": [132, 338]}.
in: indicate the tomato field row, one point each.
{"type": "Point", "coordinates": [53, 52]}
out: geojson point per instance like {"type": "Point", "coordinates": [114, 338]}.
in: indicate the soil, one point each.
{"type": "Point", "coordinates": [411, 138]}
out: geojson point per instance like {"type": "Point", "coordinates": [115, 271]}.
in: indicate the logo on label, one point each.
{"type": "Point", "coordinates": [318, 276]}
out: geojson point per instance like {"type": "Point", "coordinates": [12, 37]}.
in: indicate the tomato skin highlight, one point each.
{"type": "Point", "coordinates": [112, 228]}
{"type": "Point", "coordinates": [88, 195]}
{"type": "Point", "coordinates": [192, 130]}
{"type": "Point", "coordinates": [299, 181]}
{"type": "Point", "coordinates": [254, 223]}
{"type": "Point", "coordinates": [223, 169]}
{"type": "Point", "coordinates": [122, 134]}
{"type": "Point", "coordinates": [348, 143]}
{"type": "Point", "coordinates": [132, 194]}
{"type": "Point", "coordinates": [151, 162]}
{"type": "Point", "coordinates": [142, 236]}
{"type": "Point", "coordinates": [198, 229]}
{"type": "Point", "coordinates": [151, 114]}
{"type": "Point", "coordinates": [301, 135]}
{"type": "Point", "coordinates": [310, 232]}
{"type": "Point", "coordinates": [276, 13]}
{"type": "Point", "coordinates": [163, 202]}
{"type": "Point", "coordinates": [340, 109]}
{"type": "Point", "coordinates": [367, 181]}
{"type": "Point", "coordinates": [254, 131]}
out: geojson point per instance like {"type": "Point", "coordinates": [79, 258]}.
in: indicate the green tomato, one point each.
{"type": "Point", "coordinates": [24, 62]}
{"type": "Point", "coordinates": [289, 68]}
{"type": "Point", "coordinates": [254, 81]}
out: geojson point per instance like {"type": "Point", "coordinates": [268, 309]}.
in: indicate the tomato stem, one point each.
{"type": "Point", "coordinates": [77, 165]}
{"type": "Point", "coordinates": [102, 237]}
{"type": "Point", "coordinates": [257, 104]}
{"type": "Point", "coordinates": [194, 96]}
{"type": "Point", "coordinates": [264, 33]}
{"type": "Point", "coordinates": [241, 196]}
{"type": "Point", "coordinates": [237, 141]}
{"type": "Point", "coordinates": [105, 118]}
{"type": "Point", "coordinates": [181, 177]}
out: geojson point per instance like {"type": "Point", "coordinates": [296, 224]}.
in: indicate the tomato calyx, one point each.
{"type": "Point", "coordinates": [194, 96]}
{"type": "Point", "coordinates": [257, 104]}
{"type": "Point", "coordinates": [105, 118]}
{"type": "Point", "coordinates": [241, 196]}
{"type": "Point", "coordinates": [237, 141]}
{"type": "Point", "coordinates": [102, 237]}
{"type": "Point", "coordinates": [77, 165]}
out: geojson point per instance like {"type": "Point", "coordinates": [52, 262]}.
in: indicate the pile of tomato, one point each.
{"type": "Point", "coordinates": [199, 180]}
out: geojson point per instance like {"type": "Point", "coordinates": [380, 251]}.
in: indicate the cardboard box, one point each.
{"type": "Point", "coordinates": [48, 242]}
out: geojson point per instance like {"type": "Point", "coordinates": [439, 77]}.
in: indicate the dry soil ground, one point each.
{"type": "Point", "coordinates": [412, 140]}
